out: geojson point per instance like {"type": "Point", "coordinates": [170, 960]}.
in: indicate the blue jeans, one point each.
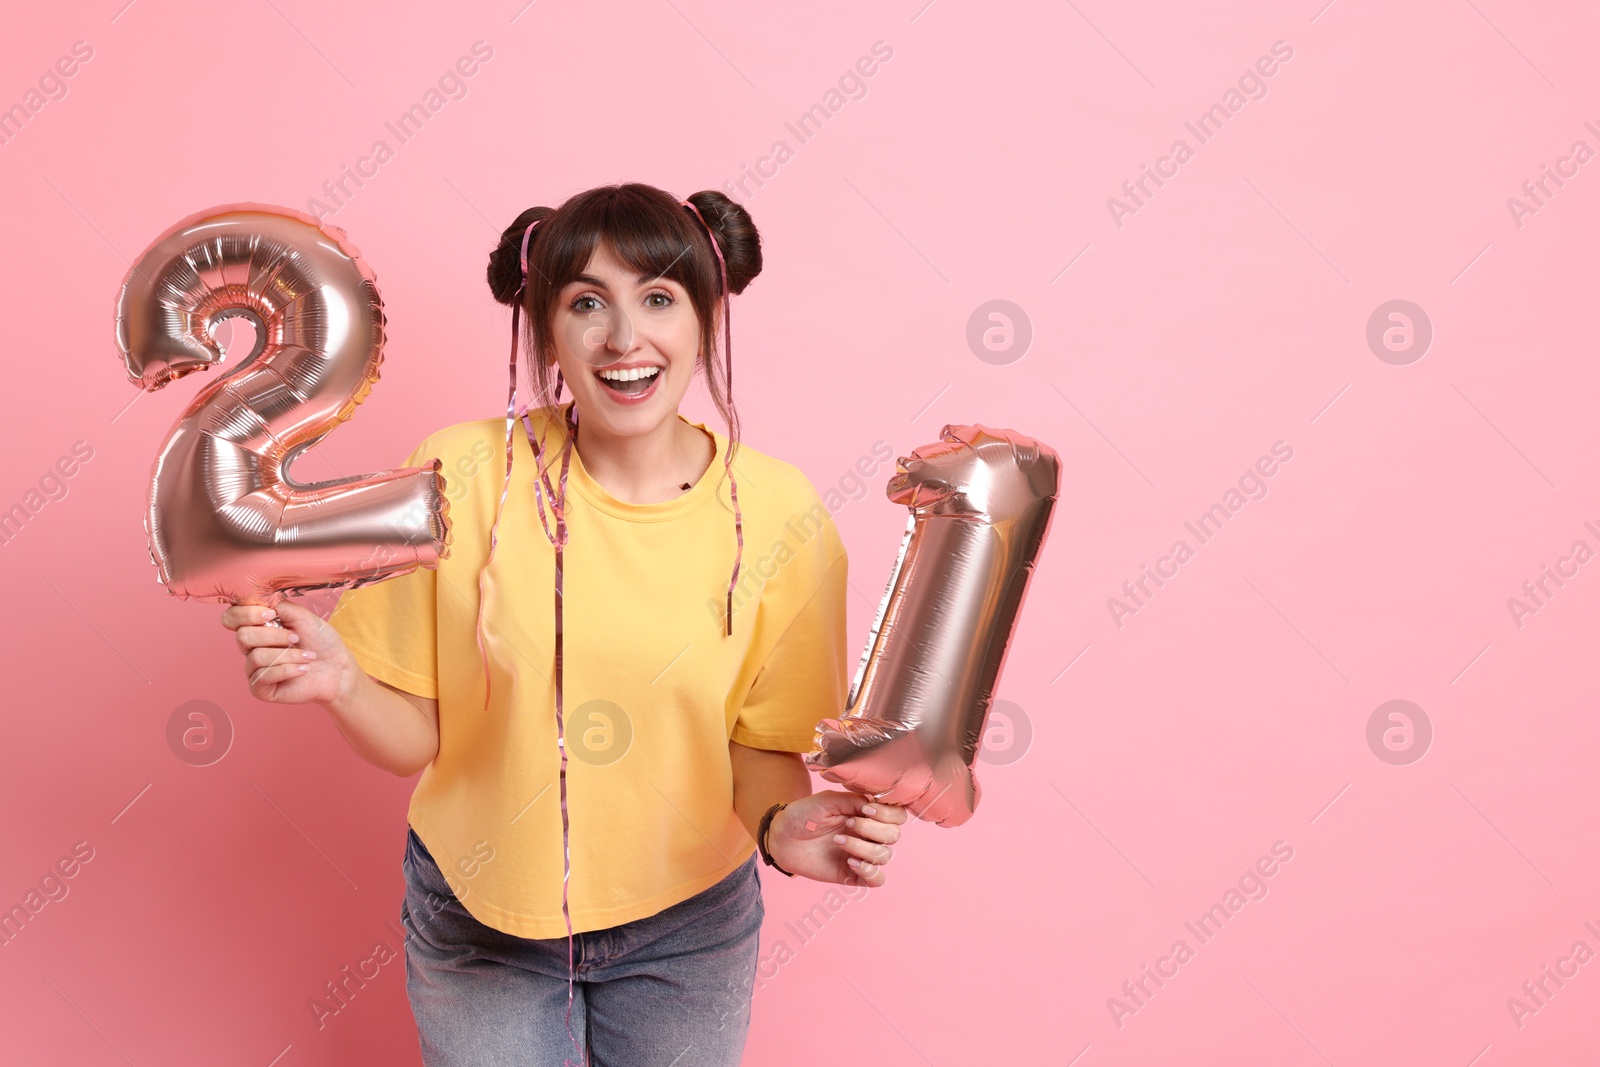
{"type": "Point", "coordinates": [670, 990]}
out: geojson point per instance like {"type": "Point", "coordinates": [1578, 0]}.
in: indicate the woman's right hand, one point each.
{"type": "Point", "coordinates": [300, 662]}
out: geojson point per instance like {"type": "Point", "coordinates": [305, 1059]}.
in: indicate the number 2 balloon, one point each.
{"type": "Point", "coordinates": [226, 522]}
{"type": "Point", "coordinates": [981, 502]}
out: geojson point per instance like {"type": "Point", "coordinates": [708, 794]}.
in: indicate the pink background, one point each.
{"type": "Point", "coordinates": [1168, 353]}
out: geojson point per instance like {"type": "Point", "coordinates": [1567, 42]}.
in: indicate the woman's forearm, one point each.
{"type": "Point", "coordinates": [762, 778]}
{"type": "Point", "coordinates": [383, 727]}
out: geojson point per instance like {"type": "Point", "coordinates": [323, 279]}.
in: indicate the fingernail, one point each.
{"type": "Point", "coordinates": [839, 839]}
{"type": "Point", "coordinates": [854, 862]}
{"type": "Point", "coordinates": [870, 809]}
{"type": "Point", "coordinates": [849, 822]}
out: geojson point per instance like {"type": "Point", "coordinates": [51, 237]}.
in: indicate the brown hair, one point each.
{"type": "Point", "coordinates": [653, 233]}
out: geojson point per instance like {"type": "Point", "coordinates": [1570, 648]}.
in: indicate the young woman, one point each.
{"type": "Point", "coordinates": [609, 679]}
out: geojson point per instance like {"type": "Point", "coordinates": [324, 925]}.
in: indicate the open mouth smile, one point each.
{"type": "Point", "coordinates": [630, 385]}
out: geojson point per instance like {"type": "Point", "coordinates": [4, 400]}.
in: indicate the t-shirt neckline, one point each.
{"type": "Point", "coordinates": [579, 478]}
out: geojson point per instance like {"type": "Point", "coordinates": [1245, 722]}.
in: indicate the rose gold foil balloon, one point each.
{"type": "Point", "coordinates": [226, 522]}
{"type": "Point", "coordinates": [980, 502]}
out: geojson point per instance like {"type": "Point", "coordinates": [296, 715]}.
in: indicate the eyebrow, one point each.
{"type": "Point", "coordinates": [639, 280]}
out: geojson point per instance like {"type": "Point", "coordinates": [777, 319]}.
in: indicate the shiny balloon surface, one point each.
{"type": "Point", "coordinates": [981, 501]}
{"type": "Point", "coordinates": [225, 520]}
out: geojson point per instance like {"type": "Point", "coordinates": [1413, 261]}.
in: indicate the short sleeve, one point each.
{"type": "Point", "coordinates": [805, 677]}
{"type": "Point", "coordinates": [391, 627]}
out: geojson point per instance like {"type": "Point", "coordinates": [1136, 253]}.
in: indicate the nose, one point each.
{"type": "Point", "coordinates": [608, 335]}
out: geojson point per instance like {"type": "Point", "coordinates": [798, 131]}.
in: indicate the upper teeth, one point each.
{"type": "Point", "coordinates": [629, 375]}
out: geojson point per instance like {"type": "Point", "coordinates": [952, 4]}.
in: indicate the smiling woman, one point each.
{"type": "Point", "coordinates": [624, 903]}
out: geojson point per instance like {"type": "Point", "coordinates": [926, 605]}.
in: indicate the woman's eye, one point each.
{"type": "Point", "coordinates": [666, 299]}
{"type": "Point", "coordinates": [576, 303]}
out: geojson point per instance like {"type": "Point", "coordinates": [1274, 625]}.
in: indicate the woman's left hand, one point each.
{"type": "Point", "coordinates": [835, 836]}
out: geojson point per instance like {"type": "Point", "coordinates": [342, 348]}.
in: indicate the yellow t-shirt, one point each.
{"type": "Point", "coordinates": [653, 689]}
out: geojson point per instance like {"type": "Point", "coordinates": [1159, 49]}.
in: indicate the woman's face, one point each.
{"type": "Point", "coordinates": [611, 324]}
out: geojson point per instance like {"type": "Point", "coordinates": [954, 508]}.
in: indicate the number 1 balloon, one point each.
{"type": "Point", "coordinates": [981, 502]}
{"type": "Point", "coordinates": [225, 521]}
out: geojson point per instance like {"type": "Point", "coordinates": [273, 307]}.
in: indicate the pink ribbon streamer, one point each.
{"type": "Point", "coordinates": [727, 344]}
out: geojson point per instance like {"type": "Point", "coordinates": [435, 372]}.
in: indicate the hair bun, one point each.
{"type": "Point", "coordinates": [735, 234]}
{"type": "Point", "coordinates": [505, 261]}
